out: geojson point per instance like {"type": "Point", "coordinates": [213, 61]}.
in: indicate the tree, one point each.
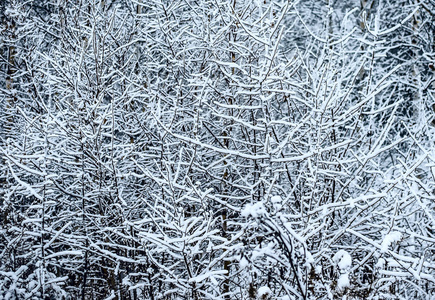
{"type": "Point", "coordinates": [217, 150]}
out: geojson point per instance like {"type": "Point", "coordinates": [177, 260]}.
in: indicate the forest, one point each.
{"type": "Point", "coordinates": [217, 149]}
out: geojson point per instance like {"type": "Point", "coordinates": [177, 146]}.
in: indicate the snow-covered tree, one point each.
{"type": "Point", "coordinates": [234, 149]}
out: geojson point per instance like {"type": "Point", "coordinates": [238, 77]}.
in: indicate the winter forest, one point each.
{"type": "Point", "coordinates": [217, 149]}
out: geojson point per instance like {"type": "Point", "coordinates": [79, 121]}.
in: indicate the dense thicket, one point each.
{"type": "Point", "coordinates": [202, 149]}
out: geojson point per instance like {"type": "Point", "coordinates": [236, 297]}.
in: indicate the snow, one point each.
{"type": "Point", "coordinates": [343, 260]}
{"type": "Point", "coordinates": [343, 281]}
{"type": "Point", "coordinates": [255, 210]}
{"type": "Point", "coordinates": [276, 199]}
{"type": "Point", "coordinates": [276, 202]}
{"type": "Point", "coordinates": [243, 263]}
{"type": "Point", "coordinates": [206, 275]}
{"type": "Point", "coordinates": [381, 263]}
{"type": "Point", "coordinates": [309, 258]}
{"type": "Point", "coordinates": [261, 251]}
{"type": "Point", "coordinates": [264, 291]}
{"type": "Point", "coordinates": [389, 239]}
{"type": "Point", "coordinates": [235, 144]}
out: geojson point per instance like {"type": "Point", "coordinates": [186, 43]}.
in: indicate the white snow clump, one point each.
{"type": "Point", "coordinates": [343, 281]}
{"type": "Point", "coordinates": [264, 292]}
{"type": "Point", "coordinates": [390, 238]}
{"type": "Point", "coordinates": [276, 202]}
{"type": "Point", "coordinates": [243, 263]}
{"type": "Point", "coordinates": [380, 264]}
{"type": "Point", "coordinates": [254, 210]}
{"type": "Point", "coordinates": [343, 260]}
